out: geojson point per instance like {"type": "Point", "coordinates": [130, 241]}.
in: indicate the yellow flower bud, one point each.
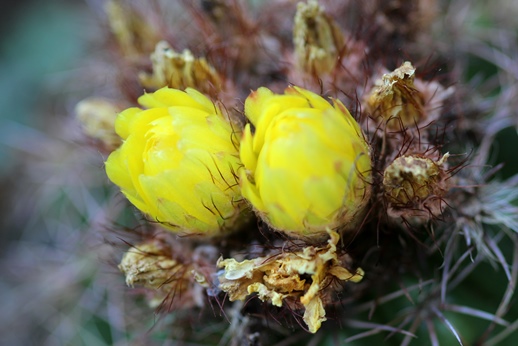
{"type": "Point", "coordinates": [178, 162]}
{"type": "Point", "coordinates": [318, 40]}
{"type": "Point", "coordinates": [307, 165]}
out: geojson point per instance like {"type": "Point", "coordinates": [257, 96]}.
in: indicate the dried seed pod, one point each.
{"type": "Point", "coordinates": [147, 265]}
{"type": "Point", "coordinates": [180, 71]}
{"type": "Point", "coordinates": [150, 265]}
{"type": "Point", "coordinates": [415, 185]}
{"type": "Point", "coordinates": [318, 40]}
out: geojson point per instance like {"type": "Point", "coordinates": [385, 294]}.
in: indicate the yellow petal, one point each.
{"type": "Point", "coordinates": [167, 97]}
{"type": "Point", "coordinates": [124, 120]}
{"type": "Point", "coordinates": [254, 103]}
{"type": "Point", "coordinates": [250, 192]}
{"type": "Point", "coordinates": [246, 151]}
{"type": "Point", "coordinates": [314, 100]}
{"type": "Point", "coordinates": [179, 161]}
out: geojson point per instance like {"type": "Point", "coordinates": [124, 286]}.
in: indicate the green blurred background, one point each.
{"type": "Point", "coordinates": [53, 274]}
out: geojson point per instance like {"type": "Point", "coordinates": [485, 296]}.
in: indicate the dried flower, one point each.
{"type": "Point", "coordinates": [307, 165]}
{"type": "Point", "coordinates": [398, 101]}
{"type": "Point", "coordinates": [132, 32]}
{"type": "Point", "coordinates": [317, 39]}
{"type": "Point", "coordinates": [145, 265]}
{"type": "Point", "coordinates": [280, 278]}
{"type": "Point", "coordinates": [97, 117]}
{"type": "Point", "coordinates": [178, 161]}
{"type": "Point", "coordinates": [154, 266]}
{"type": "Point", "coordinates": [394, 99]}
{"type": "Point", "coordinates": [415, 185]}
{"type": "Point", "coordinates": [180, 71]}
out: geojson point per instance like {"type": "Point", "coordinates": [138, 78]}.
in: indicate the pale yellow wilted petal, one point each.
{"type": "Point", "coordinates": [315, 314]}
{"type": "Point", "coordinates": [304, 277]}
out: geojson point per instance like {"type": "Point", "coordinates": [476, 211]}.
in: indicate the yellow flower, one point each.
{"type": "Point", "coordinates": [178, 161]}
{"type": "Point", "coordinates": [307, 165]}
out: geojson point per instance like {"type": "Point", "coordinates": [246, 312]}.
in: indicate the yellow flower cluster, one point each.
{"type": "Point", "coordinates": [306, 166]}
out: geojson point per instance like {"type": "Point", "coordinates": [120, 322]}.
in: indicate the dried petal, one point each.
{"type": "Point", "coordinates": [317, 39]}
{"type": "Point", "coordinates": [180, 71]}
{"type": "Point", "coordinates": [133, 33]}
{"type": "Point", "coordinates": [277, 278]}
{"type": "Point", "coordinates": [394, 99]}
{"type": "Point", "coordinates": [416, 183]}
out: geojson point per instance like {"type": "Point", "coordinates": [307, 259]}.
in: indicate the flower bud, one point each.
{"type": "Point", "coordinates": [180, 71]}
{"type": "Point", "coordinates": [317, 39]}
{"type": "Point", "coordinates": [97, 117]}
{"type": "Point", "coordinates": [415, 185]}
{"type": "Point", "coordinates": [307, 165]}
{"type": "Point", "coordinates": [178, 162]}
